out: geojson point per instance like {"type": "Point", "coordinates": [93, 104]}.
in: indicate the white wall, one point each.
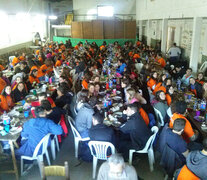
{"type": "Point", "coordinates": [16, 29]}
{"type": "Point", "coordinates": [159, 9]}
{"type": "Point", "coordinates": [90, 7]}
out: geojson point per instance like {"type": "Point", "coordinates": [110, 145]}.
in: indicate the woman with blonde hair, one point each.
{"type": "Point", "coordinates": [132, 96]}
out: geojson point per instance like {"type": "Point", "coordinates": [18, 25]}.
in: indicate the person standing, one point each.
{"type": "Point", "coordinates": [174, 53]}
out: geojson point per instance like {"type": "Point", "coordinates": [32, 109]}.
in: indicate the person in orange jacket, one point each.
{"type": "Point", "coordinates": [151, 83]}
{"type": "Point", "coordinates": [6, 101]}
{"type": "Point", "coordinates": [179, 111]}
{"type": "Point", "coordinates": [161, 60]}
{"type": "Point", "coordinates": [196, 164]}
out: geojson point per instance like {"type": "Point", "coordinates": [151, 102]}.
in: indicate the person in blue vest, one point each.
{"type": "Point", "coordinates": [34, 130]}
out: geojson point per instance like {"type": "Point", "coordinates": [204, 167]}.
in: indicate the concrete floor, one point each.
{"type": "Point", "coordinates": [84, 170]}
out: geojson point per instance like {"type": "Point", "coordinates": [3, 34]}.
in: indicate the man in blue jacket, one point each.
{"type": "Point", "coordinates": [34, 130]}
{"type": "Point", "coordinates": [121, 67]}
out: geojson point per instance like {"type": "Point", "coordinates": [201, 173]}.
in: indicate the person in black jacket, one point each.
{"type": "Point", "coordinates": [19, 92]}
{"type": "Point", "coordinates": [99, 131]}
{"type": "Point", "coordinates": [195, 88]}
{"type": "Point", "coordinates": [137, 130]}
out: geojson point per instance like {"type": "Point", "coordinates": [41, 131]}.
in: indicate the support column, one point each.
{"type": "Point", "coordinates": [195, 45]}
{"type": "Point", "coordinates": [164, 35]}
{"type": "Point", "coordinates": [149, 32]}
{"type": "Point", "coordinates": [140, 30]}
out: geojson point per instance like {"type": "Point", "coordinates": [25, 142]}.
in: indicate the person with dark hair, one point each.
{"type": "Point", "coordinates": [186, 78]}
{"type": "Point", "coordinates": [6, 100]}
{"type": "Point", "coordinates": [161, 60]}
{"type": "Point", "coordinates": [99, 131]}
{"type": "Point", "coordinates": [178, 112]}
{"type": "Point", "coordinates": [196, 165]}
{"type": "Point", "coordinates": [53, 114]}
{"type": "Point", "coordinates": [161, 104]}
{"type": "Point", "coordinates": [121, 67]}
{"type": "Point", "coordinates": [135, 131]}
{"type": "Point", "coordinates": [200, 78]}
{"type": "Point", "coordinates": [172, 137]}
{"type": "Point", "coordinates": [195, 88]}
{"type": "Point", "coordinates": [152, 82]}
{"type": "Point", "coordinates": [62, 98]}
{"type": "Point", "coordinates": [178, 72]}
{"type": "Point", "coordinates": [34, 130]}
{"type": "Point", "coordinates": [83, 120]}
{"type": "Point", "coordinates": [33, 77]}
{"type": "Point", "coordinates": [19, 92]}
{"type": "Point", "coordinates": [24, 67]}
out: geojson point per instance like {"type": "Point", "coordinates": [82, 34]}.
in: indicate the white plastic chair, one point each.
{"type": "Point", "coordinates": [169, 112]}
{"type": "Point", "coordinates": [159, 118]}
{"type": "Point", "coordinates": [99, 151]}
{"type": "Point", "coordinates": [77, 136]}
{"type": "Point", "coordinates": [203, 67]}
{"type": "Point", "coordinates": [147, 149]}
{"type": "Point", "coordinates": [54, 142]}
{"type": "Point", "coordinates": [44, 144]}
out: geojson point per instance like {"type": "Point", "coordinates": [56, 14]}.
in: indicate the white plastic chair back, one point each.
{"type": "Point", "coordinates": [44, 144]}
{"type": "Point", "coordinates": [159, 118]}
{"type": "Point", "coordinates": [99, 149]}
{"type": "Point", "coordinates": [203, 67]}
{"type": "Point", "coordinates": [74, 130]}
{"type": "Point", "coordinates": [11, 58]}
{"type": "Point", "coordinates": [169, 112]}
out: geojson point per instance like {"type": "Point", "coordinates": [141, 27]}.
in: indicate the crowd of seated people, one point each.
{"type": "Point", "coordinates": [146, 82]}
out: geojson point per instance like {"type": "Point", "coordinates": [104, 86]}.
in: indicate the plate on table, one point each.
{"type": "Point", "coordinates": [116, 124]}
{"type": "Point", "coordinates": [199, 118]}
{"type": "Point", "coordinates": [118, 114]}
{"type": "Point", "coordinates": [117, 98]}
{"type": "Point", "coordinates": [118, 92]}
{"type": "Point", "coordinates": [31, 97]}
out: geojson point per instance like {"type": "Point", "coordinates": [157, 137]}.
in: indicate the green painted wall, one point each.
{"type": "Point", "coordinates": [98, 41]}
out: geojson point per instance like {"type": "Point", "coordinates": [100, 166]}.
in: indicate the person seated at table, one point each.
{"type": "Point", "coordinates": [161, 84]}
{"type": "Point", "coordinates": [170, 96]}
{"type": "Point", "coordinates": [24, 67]}
{"type": "Point", "coordinates": [132, 97]}
{"type": "Point", "coordinates": [6, 99]}
{"type": "Point", "coordinates": [54, 113]}
{"type": "Point", "coordinates": [46, 68]}
{"type": "Point", "coordinates": [196, 164]}
{"type": "Point", "coordinates": [18, 73]}
{"type": "Point", "coordinates": [121, 67]}
{"type": "Point", "coordinates": [178, 72]}
{"type": "Point", "coordinates": [3, 83]}
{"type": "Point", "coordinates": [33, 79]}
{"type": "Point", "coordinates": [124, 86]}
{"type": "Point", "coordinates": [19, 92]}
{"type": "Point", "coordinates": [42, 96]}
{"type": "Point", "coordinates": [116, 168]}
{"type": "Point", "coordinates": [161, 60]}
{"type": "Point", "coordinates": [172, 138]}
{"type": "Point", "coordinates": [135, 131]}
{"type": "Point", "coordinates": [200, 78]}
{"type": "Point", "coordinates": [99, 131]}
{"type": "Point", "coordinates": [186, 78]}
{"type": "Point", "coordinates": [83, 120]}
{"type": "Point", "coordinates": [195, 88]}
{"type": "Point", "coordinates": [17, 80]}
{"type": "Point", "coordinates": [161, 103]}
{"type": "Point", "coordinates": [62, 98]}
{"type": "Point", "coordinates": [151, 83]}
{"type": "Point", "coordinates": [58, 62]}
{"type": "Point", "coordinates": [15, 61]}
{"type": "Point", "coordinates": [204, 93]}
{"type": "Point", "coordinates": [85, 81]}
{"type": "Point", "coordinates": [91, 89]}
{"type": "Point", "coordinates": [96, 79]}
{"type": "Point", "coordinates": [81, 98]}
{"type": "Point", "coordinates": [97, 88]}
{"type": "Point", "coordinates": [34, 130]}
{"type": "Point", "coordinates": [178, 112]}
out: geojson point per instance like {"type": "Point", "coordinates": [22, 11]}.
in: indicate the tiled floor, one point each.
{"type": "Point", "coordinates": [84, 170]}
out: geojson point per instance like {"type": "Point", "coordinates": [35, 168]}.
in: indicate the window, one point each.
{"type": "Point", "coordinates": [107, 11]}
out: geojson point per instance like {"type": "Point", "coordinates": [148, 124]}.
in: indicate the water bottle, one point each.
{"type": "Point", "coordinates": [109, 71]}
{"type": "Point", "coordinates": [110, 83]}
{"type": "Point", "coordinates": [6, 119]}
{"type": "Point", "coordinates": [203, 105]}
{"type": "Point", "coordinates": [46, 78]}
{"type": "Point", "coordinates": [195, 106]}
